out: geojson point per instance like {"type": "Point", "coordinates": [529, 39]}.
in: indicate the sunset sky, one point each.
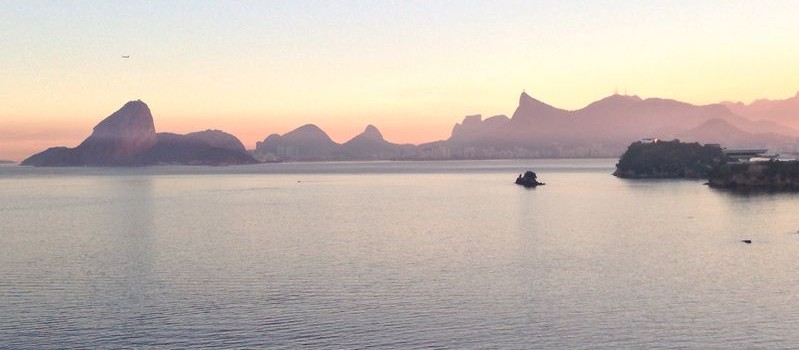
{"type": "Point", "coordinates": [412, 68]}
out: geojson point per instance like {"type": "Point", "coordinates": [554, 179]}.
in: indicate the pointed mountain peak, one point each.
{"type": "Point", "coordinates": [527, 101]}
{"type": "Point", "coordinates": [524, 96]}
{"type": "Point", "coordinates": [530, 108]}
{"type": "Point", "coordinates": [371, 134]}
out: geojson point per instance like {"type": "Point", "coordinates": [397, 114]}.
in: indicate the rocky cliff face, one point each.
{"type": "Point", "coordinates": [127, 132]}
{"type": "Point", "coordinates": [114, 141]}
{"type": "Point", "coordinates": [128, 138]}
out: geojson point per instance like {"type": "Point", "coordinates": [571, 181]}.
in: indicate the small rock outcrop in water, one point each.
{"type": "Point", "coordinates": [128, 138]}
{"type": "Point", "coordinates": [773, 175]}
{"type": "Point", "coordinates": [669, 159]}
{"type": "Point", "coordinates": [528, 180]}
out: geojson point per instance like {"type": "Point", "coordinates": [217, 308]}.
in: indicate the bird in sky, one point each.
{"type": "Point", "coordinates": [126, 56]}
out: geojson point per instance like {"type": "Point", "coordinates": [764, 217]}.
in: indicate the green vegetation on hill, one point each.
{"type": "Point", "coordinates": [771, 175]}
{"type": "Point", "coordinates": [669, 159]}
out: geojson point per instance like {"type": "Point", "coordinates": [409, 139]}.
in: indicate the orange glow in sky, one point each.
{"type": "Point", "coordinates": [412, 68]}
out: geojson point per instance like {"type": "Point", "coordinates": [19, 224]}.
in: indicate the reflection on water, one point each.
{"type": "Point", "coordinates": [390, 255]}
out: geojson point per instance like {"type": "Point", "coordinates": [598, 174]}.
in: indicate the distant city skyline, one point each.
{"type": "Point", "coordinates": [412, 68]}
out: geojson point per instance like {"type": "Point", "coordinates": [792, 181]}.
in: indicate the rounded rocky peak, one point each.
{"type": "Point", "coordinates": [272, 138]}
{"type": "Point", "coordinates": [127, 132]}
{"type": "Point", "coordinates": [132, 114]}
{"type": "Point", "coordinates": [135, 104]}
{"type": "Point", "coordinates": [371, 132]}
{"type": "Point", "coordinates": [133, 122]}
{"type": "Point", "coordinates": [307, 132]}
{"type": "Point", "coordinates": [308, 129]}
{"type": "Point", "coordinates": [218, 139]}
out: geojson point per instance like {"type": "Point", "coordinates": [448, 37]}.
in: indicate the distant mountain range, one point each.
{"type": "Point", "coordinates": [535, 130]}
{"type": "Point", "coordinates": [782, 111]}
{"type": "Point", "coordinates": [309, 142]}
{"type": "Point", "coordinates": [128, 138]}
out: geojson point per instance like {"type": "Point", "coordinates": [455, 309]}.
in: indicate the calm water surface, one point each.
{"type": "Point", "coordinates": [391, 255]}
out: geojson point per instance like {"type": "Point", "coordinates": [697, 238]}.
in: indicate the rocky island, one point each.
{"type": "Point", "coordinates": [128, 138]}
{"type": "Point", "coordinates": [669, 159]}
{"type": "Point", "coordinates": [773, 175]}
{"type": "Point", "coordinates": [529, 179]}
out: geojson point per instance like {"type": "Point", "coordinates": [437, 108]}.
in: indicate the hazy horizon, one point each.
{"type": "Point", "coordinates": [74, 136]}
{"type": "Point", "coordinates": [413, 69]}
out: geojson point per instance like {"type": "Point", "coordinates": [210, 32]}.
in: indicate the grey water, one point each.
{"type": "Point", "coordinates": [408, 255]}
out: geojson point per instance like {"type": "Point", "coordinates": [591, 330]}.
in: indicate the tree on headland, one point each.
{"type": "Point", "coordinates": [669, 159]}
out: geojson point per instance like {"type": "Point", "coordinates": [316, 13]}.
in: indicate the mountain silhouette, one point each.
{"type": "Point", "coordinates": [310, 143]}
{"type": "Point", "coordinates": [602, 128]}
{"type": "Point", "coordinates": [217, 138]}
{"type": "Point", "coordinates": [781, 111]}
{"type": "Point", "coordinates": [370, 144]}
{"type": "Point", "coordinates": [128, 138]}
{"type": "Point", "coordinates": [307, 142]}
{"type": "Point", "coordinates": [722, 132]}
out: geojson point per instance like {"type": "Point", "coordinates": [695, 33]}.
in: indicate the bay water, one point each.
{"type": "Point", "coordinates": [406, 255]}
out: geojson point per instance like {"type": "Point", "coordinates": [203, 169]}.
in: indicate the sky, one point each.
{"type": "Point", "coordinates": [411, 68]}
